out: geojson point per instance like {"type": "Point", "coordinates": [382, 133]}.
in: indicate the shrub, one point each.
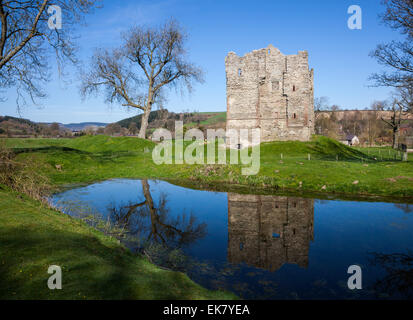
{"type": "Point", "coordinates": [22, 176]}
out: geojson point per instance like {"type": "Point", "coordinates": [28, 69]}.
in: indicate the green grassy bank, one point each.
{"type": "Point", "coordinates": [33, 237]}
{"type": "Point", "coordinates": [322, 166]}
{"type": "Point", "coordinates": [94, 266]}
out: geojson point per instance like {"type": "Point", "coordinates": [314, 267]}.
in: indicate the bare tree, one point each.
{"type": "Point", "coordinates": [133, 128]}
{"type": "Point", "coordinates": [162, 227]}
{"type": "Point", "coordinates": [398, 275]}
{"type": "Point", "coordinates": [397, 55]}
{"type": "Point", "coordinates": [406, 98]}
{"type": "Point", "coordinates": [26, 39]}
{"type": "Point", "coordinates": [374, 127]}
{"type": "Point", "coordinates": [112, 129]}
{"type": "Point", "coordinates": [135, 75]}
{"type": "Point", "coordinates": [401, 104]}
{"type": "Point", "coordinates": [378, 105]}
{"type": "Point", "coordinates": [54, 129]}
{"type": "Point", "coordinates": [320, 104]}
{"type": "Point", "coordinates": [372, 122]}
{"type": "Point", "coordinates": [90, 130]}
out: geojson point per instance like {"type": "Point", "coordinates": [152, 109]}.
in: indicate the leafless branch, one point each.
{"type": "Point", "coordinates": [26, 42]}
{"type": "Point", "coordinates": [397, 56]}
{"type": "Point", "coordinates": [135, 75]}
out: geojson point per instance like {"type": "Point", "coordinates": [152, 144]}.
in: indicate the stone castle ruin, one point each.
{"type": "Point", "coordinates": [269, 231]}
{"type": "Point", "coordinates": [272, 92]}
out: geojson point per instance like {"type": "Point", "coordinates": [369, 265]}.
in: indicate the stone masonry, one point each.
{"type": "Point", "coordinates": [268, 231]}
{"type": "Point", "coordinates": [271, 91]}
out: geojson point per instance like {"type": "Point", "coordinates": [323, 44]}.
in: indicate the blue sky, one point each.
{"type": "Point", "coordinates": [338, 55]}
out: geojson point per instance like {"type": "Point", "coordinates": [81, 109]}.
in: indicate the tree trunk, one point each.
{"type": "Point", "coordinates": [395, 137]}
{"type": "Point", "coordinates": [144, 123]}
{"type": "Point", "coordinates": [154, 218]}
{"type": "Point", "coordinates": [147, 112]}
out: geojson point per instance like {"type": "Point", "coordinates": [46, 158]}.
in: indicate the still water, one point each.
{"type": "Point", "coordinates": [259, 247]}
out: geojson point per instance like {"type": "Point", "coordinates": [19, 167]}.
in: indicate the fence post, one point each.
{"type": "Point", "coordinates": [309, 157]}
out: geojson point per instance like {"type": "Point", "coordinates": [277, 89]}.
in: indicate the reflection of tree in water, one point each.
{"type": "Point", "coordinates": [399, 273]}
{"type": "Point", "coordinates": [406, 208]}
{"type": "Point", "coordinates": [153, 222]}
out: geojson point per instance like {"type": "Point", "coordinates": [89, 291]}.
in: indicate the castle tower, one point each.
{"type": "Point", "coordinates": [269, 231]}
{"type": "Point", "coordinates": [272, 92]}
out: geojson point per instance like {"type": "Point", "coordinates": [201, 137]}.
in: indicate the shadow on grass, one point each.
{"type": "Point", "coordinates": [106, 156]}
{"type": "Point", "coordinates": [90, 269]}
{"type": "Point", "coordinates": [331, 150]}
{"type": "Point", "coordinates": [48, 149]}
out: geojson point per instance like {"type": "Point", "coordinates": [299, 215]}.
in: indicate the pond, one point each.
{"type": "Point", "coordinates": [259, 247]}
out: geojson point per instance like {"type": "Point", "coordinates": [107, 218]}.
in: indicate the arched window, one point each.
{"type": "Point", "coordinates": [239, 72]}
{"type": "Point", "coordinates": [295, 116]}
{"type": "Point", "coordinates": [294, 88]}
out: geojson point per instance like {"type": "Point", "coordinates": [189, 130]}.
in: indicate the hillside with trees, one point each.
{"type": "Point", "coordinates": [370, 126]}
{"type": "Point", "coordinates": [165, 119]}
{"type": "Point", "coordinates": [18, 127]}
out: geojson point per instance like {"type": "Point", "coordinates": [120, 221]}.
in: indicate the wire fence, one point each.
{"type": "Point", "coordinates": [367, 157]}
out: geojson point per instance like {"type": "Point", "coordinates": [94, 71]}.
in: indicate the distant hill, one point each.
{"type": "Point", "coordinates": [18, 126]}
{"type": "Point", "coordinates": [157, 119]}
{"type": "Point", "coordinates": [205, 120]}
{"type": "Point", "coordinates": [165, 119]}
{"type": "Point", "coordinates": [13, 126]}
{"type": "Point", "coordinates": [82, 125]}
{"type": "Point", "coordinates": [154, 116]}
{"type": "Point", "coordinates": [17, 120]}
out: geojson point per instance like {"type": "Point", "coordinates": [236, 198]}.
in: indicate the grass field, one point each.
{"type": "Point", "coordinates": [321, 166]}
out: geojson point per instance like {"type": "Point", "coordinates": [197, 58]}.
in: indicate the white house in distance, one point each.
{"type": "Point", "coordinates": [351, 140]}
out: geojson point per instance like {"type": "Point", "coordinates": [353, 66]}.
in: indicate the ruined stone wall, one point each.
{"type": "Point", "coordinates": [269, 231]}
{"type": "Point", "coordinates": [271, 91]}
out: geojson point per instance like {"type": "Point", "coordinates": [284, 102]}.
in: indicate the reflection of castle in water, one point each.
{"type": "Point", "coordinates": [268, 231]}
